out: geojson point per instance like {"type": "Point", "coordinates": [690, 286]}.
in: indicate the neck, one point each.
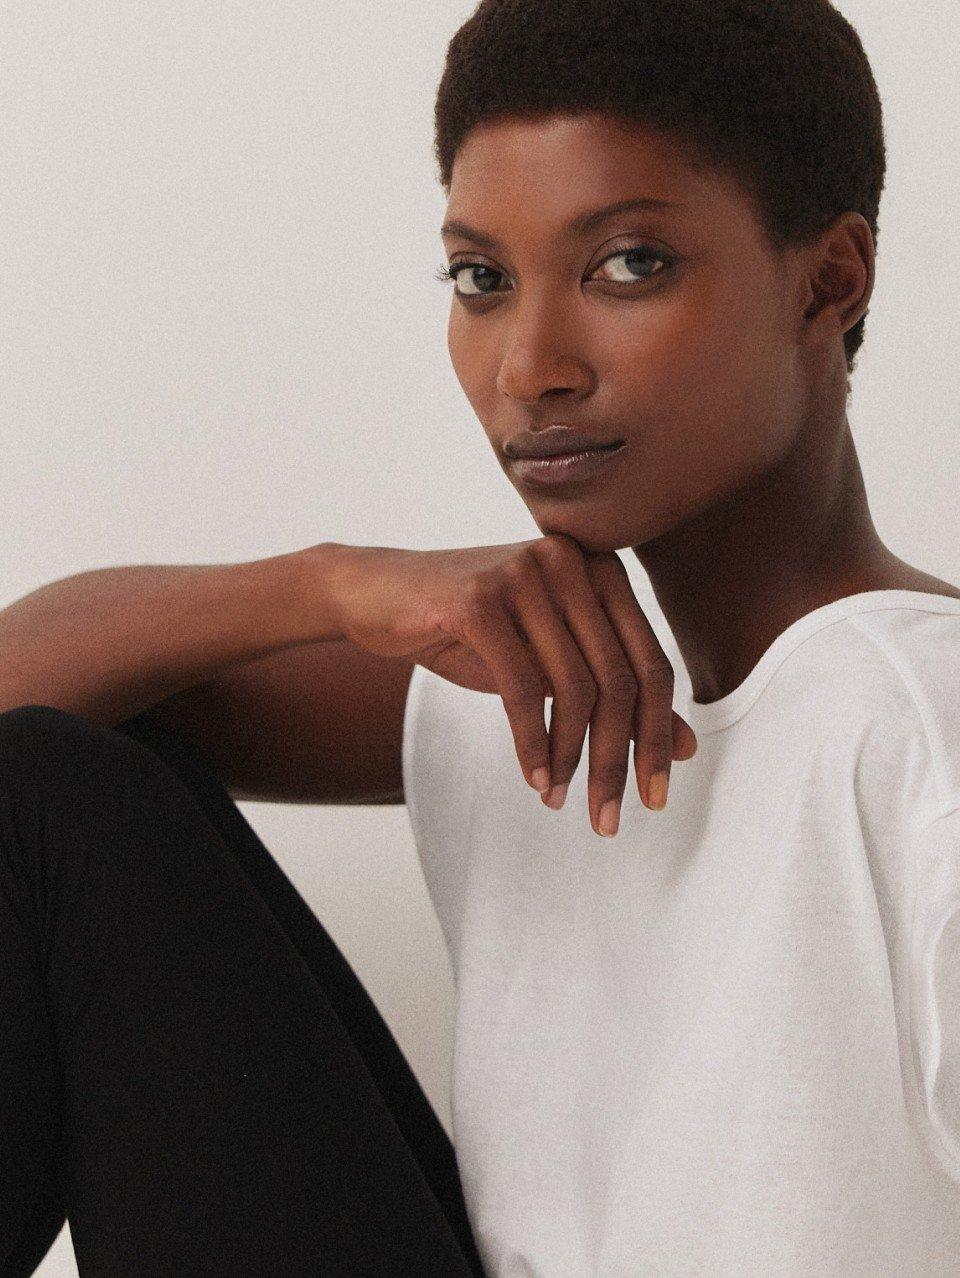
{"type": "Point", "coordinates": [734, 577]}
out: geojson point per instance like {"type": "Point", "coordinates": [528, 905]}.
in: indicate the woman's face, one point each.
{"type": "Point", "coordinates": [691, 357]}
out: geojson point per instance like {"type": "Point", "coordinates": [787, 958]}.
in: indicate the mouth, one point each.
{"type": "Point", "coordinates": [565, 468]}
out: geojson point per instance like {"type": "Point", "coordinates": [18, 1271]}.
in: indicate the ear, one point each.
{"type": "Point", "coordinates": [839, 278]}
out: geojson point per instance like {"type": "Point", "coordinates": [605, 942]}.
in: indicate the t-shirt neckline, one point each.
{"type": "Point", "coordinates": [711, 716]}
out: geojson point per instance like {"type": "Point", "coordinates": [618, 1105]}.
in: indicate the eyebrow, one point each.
{"type": "Point", "coordinates": [583, 224]}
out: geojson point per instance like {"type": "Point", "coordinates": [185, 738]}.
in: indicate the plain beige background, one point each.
{"type": "Point", "coordinates": [221, 339]}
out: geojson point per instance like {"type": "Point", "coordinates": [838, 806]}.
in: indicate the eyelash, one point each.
{"type": "Point", "coordinates": [449, 274]}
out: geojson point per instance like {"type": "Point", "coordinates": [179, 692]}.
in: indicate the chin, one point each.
{"type": "Point", "coordinates": [591, 536]}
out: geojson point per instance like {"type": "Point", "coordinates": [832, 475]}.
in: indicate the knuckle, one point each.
{"type": "Point", "coordinates": [655, 747]}
{"type": "Point", "coordinates": [479, 589]}
{"type": "Point", "coordinates": [608, 777]}
{"type": "Point", "coordinates": [564, 766]}
{"type": "Point", "coordinates": [478, 598]}
{"type": "Point", "coordinates": [463, 619]}
{"type": "Point", "coordinates": [516, 571]}
{"type": "Point", "coordinates": [620, 686]}
{"type": "Point", "coordinates": [522, 689]}
{"type": "Point", "coordinates": [657, 672]}
{"type": "Point", "coordinates": [580, 691]}
{"type": "Point", "coordinates": [557, 549]}
{"type": "Point", "coordinates": [606, 563]}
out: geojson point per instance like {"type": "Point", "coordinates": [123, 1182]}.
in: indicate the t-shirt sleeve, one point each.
{"type": "Point", "coordinates": [439, 771]}
{"type": "Point", "coordinates": [935, 986]}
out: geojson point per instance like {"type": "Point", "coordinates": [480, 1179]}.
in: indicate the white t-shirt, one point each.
{"type": "Point", "coordinates": [726, 1041]}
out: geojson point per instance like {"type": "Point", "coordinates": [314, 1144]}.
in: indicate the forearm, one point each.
{"type": "Point", "coordinates": [112, 642]}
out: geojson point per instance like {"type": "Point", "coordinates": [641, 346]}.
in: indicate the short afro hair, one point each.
{"type": "Point", "coordinates": [777, 93]}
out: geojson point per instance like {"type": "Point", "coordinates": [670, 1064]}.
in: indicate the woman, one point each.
{"type": "Point", "coordinates": [711, 1044]}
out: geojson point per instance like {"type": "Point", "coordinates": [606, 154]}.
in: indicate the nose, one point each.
{"type": "Point", "coordinates": [541, 355]}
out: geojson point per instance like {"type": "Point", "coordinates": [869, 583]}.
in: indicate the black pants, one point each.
{"type": "Point", "coordinates": [190, 1070]}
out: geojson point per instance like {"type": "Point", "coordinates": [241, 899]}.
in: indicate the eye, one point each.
{"type": "Point", "coordinates": [631, 256]}
{"type": "Point", "coordinates": [454, 272]}
{"type": "Point", "coordinates": [638, 254]}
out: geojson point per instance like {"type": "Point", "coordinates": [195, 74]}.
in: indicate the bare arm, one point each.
{"type": "Point", "coordinates": [322, 723]}
{"type": "Point", "coordinates": [109, 643]}
{"type": "Point", "coordinates": [291, 673]}
{"type": "Point", "coordinates": [244, 661]}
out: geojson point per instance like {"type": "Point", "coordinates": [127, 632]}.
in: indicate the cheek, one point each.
{"type": "Point", "coordinates": [710, 363]}
{"type": "Point", "coordinates": [706, 381]}
{"type": "Point", "coordinates": [696, 351]}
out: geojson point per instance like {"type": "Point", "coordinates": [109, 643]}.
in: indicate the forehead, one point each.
{"type": "Point", "coordinates": [542, 171]}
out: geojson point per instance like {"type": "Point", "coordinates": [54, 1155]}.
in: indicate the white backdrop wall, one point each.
{"type": "Point", "coordinates": [221, 339]}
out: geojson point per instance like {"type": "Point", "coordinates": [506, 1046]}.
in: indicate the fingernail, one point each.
{"type": "Point", "coordinates": [556, 797]}
{"type": "Point", "coordinates": [541, 779]}
{"type": "Point", "coordinates": [609, 817]}
{"type": "Point", "coordinates": [657, 790]}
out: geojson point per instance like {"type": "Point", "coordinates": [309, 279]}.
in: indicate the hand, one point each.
{"type": "Point", "coordinates": [528, 620]}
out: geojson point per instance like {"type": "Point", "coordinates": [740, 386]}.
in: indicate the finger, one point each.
{"type": "Point", "coordinates": [540, 618]}
{"type": "Point", "coordinates": [488, 628]}
{"type": "Point", "coordinates": [684, 739]}
{"type": "Point", "coordinates": [612, 716]}
{"type": "Point", "coordinates": [654, 735]}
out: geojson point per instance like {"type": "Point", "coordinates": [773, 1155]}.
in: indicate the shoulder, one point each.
{"type": "Point", "coordinates": [912, 680]}
{"type": "Point", "coordinates": [874, 694]}
{"type": "Point", "coordinates": [934, 992]}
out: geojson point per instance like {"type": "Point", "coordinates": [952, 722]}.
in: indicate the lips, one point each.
{"type": "Point", "coordinates": [555, 441]}
{"type": "Point", "coordinates": [565, 472]}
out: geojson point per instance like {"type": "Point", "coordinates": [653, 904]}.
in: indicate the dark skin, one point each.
{"type": "Point", "coordinates": [740, 490]}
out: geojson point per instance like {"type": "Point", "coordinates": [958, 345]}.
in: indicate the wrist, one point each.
{"type": "Point", "coordinates": [311, 582]}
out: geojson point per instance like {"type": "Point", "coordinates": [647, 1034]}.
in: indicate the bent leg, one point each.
{"type": "Point", "coordinates": [182, 1076]}
{"type": "Point", "coordinates": [388, 1067]}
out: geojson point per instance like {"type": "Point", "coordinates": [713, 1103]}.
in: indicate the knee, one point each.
{"type": "Point", "coordinates": [42, 740]}
{"type": "Point", "coordinates": [24, 726]}
{"type": "Point", "coordinates": [40, 744]}
{"type": "Point", "coordinates": [29, 723]}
